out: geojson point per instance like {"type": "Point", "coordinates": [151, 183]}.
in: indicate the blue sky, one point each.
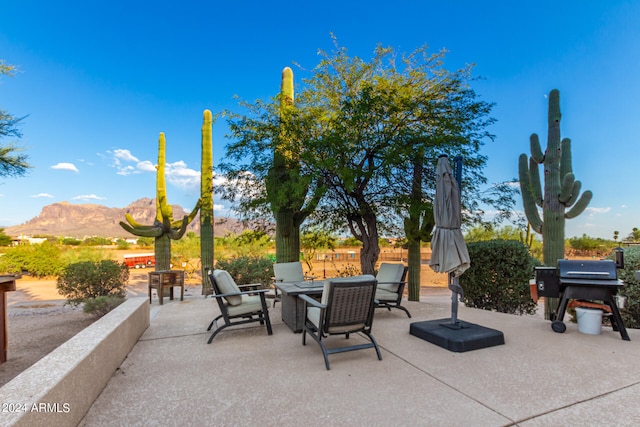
{"type": "Point", "coordinates": [100, 80]}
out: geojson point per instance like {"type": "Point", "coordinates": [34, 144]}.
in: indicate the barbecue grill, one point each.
{"type": "Point", "coordinates": [581, 280]}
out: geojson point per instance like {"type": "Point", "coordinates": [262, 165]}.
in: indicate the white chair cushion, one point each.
{"type": "Point", "coordinates": [389, 276]}
{"type": "Point", "coordinates": [313, 314]}
{"type": "Point", "coordinates": [384, 295]}
{"type": "Point", "coordinates": [288, 272]}
{"type": "Point", "coordinates": [249, 304]}
{"type": "Point", "coordinates": [227, 286]}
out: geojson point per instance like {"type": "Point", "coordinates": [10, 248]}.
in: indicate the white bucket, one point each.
{"type": "Point", "coordinates": [589, 320]}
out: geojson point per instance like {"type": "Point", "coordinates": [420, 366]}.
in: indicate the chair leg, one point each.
{"type": "Point", "coordinates": [375, 345]}
{"type": "Point", "coordinates": [325, 354]}
{"type": "Point", "coordinates": [214, 321]}
{"type": "Point", "coordinates": [213, 335]}
{"type": "Point", "coordinates": [405, 310]}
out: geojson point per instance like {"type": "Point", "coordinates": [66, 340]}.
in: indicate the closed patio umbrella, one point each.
{"type": "Point", "coordinates": [449, 252]}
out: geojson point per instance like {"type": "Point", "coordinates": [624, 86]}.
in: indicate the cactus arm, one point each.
{"type": "Point", "coordinates": [580, 206]}
{"type": "Point", "coordinates": [575, 193]}
{"type": "Point", "coordinates": [567, 190]}
{"type": "Point", "coordinates": [565, 158]}
{"type": "Point", "coordinates": [529, 203]}
{"type": "Point", "coordinates": [536, 151]}
{"type": "Point", "coordinates": [534, 182]}
{"type": "Point", "coordinates": [176, 234]}
{"type": "Point", "coordinates": [136, 224]}
{"type": "Point", "coordinates": [142, 232]}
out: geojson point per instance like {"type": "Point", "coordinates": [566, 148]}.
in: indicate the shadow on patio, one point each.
{"type": "Point", "coordinates": [245, 377]}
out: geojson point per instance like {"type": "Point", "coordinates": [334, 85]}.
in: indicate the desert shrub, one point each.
{"type": "Point", "coordinates": [39, 260]}
{"type": "Point", "coordinates": [85, 280]}
{"type": "Point", "coordinates": [248, 269]}
{"type": "Point", "coordinates": [99, 306]}
{"type": "Point", "coordinates": [498, 278]}
{"type": "Point", "coordinates": [347, 270]}
{"type": "Point", "coordinates": [631, 311]}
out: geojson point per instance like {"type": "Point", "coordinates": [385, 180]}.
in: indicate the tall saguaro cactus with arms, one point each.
{"type": "Point", "coordinates": [206, 198]}
{"type": "Point", "coordinates": [561, 199]}
{"type": "Point", "coordinates": [164, 228]}
{"type": "Point", "coordinates": [288, 190]}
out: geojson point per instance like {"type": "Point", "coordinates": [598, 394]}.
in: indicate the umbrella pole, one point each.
{"type": "Point", "coordinates": [456, 291]}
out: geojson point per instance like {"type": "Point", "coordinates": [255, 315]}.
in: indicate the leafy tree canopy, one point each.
{"type": "Point", "coordinates": [13, 162]}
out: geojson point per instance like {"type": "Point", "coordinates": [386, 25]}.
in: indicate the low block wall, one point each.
{"type": "Point", "coordinates": [61, 387]}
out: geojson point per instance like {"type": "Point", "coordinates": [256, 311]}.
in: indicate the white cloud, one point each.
{"type": "Point", "coordinates": [42, 195]}
{"type": "Point", "coordinates": [596, 211]}
{"type": "Point", "coordinates": [146, 166]}
{"type": "Point", "coordinates": [180, 175]}
{"type": "Point", "coordinates": [65, 166]}
{"type": "Point", "coordinates": [88, 197]}
{"type": "Point", "coordinates": [218, 207]}
{"type": "Point", "coordinates": [126, 170]}
{"type": "Point", "coordinates": [124, 155]}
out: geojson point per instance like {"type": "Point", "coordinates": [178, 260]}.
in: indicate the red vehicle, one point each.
{"type": "Point", "coordinates": [140, 260]}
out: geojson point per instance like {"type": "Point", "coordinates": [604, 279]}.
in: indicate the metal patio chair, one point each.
{"type": "Point", "coordinates": [346, 307]}
{"type": "Point", "coordinates": [237, 307]}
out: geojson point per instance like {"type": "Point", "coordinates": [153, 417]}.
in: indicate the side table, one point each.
{"type": "Point", "coordinates": [161, 279]}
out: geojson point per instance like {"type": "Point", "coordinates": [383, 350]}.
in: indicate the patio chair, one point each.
{"type": "Point", "coordinates": [346, 307]}
{"type": "Point", "coordinates": [237, 307]}
{"type": "Point", "coordinates": [288, 272]}
{"type": "Point", "coordinates": [391, 280]}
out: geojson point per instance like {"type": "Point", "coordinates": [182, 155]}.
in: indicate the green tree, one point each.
{"type": "Point", "coordinates": [634, 236]}
{"type": "Point", "coordinates": [380, 118]}
{"type": "Point", "coordinates": [185, 253]}
{"type": "Point", "coordinates": [4, 239]}
{"type": "Point", "coordinates": [13, 162]}
{"type": "Point", "coordinates": [314, 240]}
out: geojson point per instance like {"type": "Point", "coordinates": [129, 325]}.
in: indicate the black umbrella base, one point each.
{"type": "Point", "coordinates": [459, 337]}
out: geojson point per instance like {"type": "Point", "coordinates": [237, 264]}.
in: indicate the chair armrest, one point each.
{"type": "Point", "coordinates": [257, 291]}
{"type": "Point", "coordinates": [251, 285]}
{"type": "Point", "coordinates": [311, 301]}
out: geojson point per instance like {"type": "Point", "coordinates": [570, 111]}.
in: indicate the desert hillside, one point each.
{"type": "Point", "coordinates": [82, 220]}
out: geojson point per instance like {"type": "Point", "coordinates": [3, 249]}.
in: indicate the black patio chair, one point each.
{"type": "Point", "coordinates": [237, 307]}
{"type": "Point", "coordinates": [346, 307]}
{"type": "Point", "coordinates": [391, 281]}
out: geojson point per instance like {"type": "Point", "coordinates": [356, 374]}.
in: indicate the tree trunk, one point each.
{"type": "Point", "coordinates": [370, 247]}
{"type": "Point", "coordinates": [287, 237]}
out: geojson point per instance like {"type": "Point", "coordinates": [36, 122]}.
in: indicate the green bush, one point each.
{"type": "Point", "coordinates": [631, 311]}
{"type": "Point", "coordinates": [39, 260]}
{"type": "Point", "coordinates": [99, 306]}
{"type": "Point", "coordinates": [247, 270]}
{"type": "Point", "coordinates": [498, 278]}
{"type": "Point", "coordinates": [85, 280]}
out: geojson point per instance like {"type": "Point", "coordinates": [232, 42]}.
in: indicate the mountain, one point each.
{"type": "Point", "coordinates": [84, 220]}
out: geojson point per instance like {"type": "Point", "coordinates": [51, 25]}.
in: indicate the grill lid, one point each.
{"type": "Point", "coordinates": [588, 272]}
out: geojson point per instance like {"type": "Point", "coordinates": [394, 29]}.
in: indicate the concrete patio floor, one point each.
{"type": "Point", "coordinates": [247, 378]}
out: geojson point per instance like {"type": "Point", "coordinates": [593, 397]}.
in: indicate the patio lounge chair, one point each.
{"type": "Point", "coordinates": [391, 280]}
{"type": "Point", "coordinates": [237, 307]}
{"type": "Point", "coordinates": [288, 272]}
{"type": "Point", "coordinates": [346, 307]}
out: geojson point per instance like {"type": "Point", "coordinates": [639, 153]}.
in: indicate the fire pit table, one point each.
{"type": "Point", "coordinates": [581, 280]}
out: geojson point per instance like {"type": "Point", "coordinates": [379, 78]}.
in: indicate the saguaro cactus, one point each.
{"type": "Point", "coordinates": [561, 190]}
{"type": "Point", "coordinates": [206, 206]}
{"type": "Point", "coordinates": [417, 225]}
{"type": "Point", "coordinates": [287, 188]}
{"type": "Point", "coordinates": [164, 229]}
